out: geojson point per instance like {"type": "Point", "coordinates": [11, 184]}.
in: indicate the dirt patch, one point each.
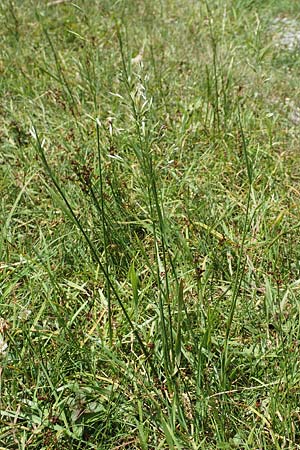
{"type": "Point", "coordinates": [286, 33]}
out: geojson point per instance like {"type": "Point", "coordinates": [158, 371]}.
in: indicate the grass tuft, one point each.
{"type": "Point", "coordinates": [150, 214]}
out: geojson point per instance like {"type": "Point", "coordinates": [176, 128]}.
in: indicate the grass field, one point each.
{"type": "Point", "coordinates": [149, 250]}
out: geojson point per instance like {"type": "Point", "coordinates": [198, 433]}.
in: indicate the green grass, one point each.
{"type": "Point", "coordinates": [149, 250]}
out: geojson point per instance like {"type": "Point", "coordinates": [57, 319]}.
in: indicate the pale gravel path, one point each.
{"type": "Point", "coordinates": [286, 36]}
{"type": "Point", "coordinates": [286, 33]}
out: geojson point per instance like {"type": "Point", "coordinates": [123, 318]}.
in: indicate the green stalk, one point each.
{"type": "Point", "coordinates": [104, 229]}
{"type": "Point", "coordinates": [241, 261]}
{"type": "Point", "coordinates": [92, 249]}
{"type": "Point", "coordinates": [145, 159]}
